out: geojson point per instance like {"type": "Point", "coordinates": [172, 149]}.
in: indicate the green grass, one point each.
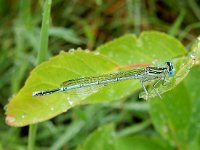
{"type": "Point", "coordinates": [171, 123]}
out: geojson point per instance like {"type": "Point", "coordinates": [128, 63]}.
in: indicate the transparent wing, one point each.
{"type": "Point", "coordinates": [82, 93]}
{"type": "Point", "coordinates": [75, 96]}
{"type": "Point", "coordinates": [98, 79]}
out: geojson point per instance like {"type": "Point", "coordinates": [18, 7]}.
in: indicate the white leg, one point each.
{"type": "Point", "coordinates": [145, 90]}
{"type": "Point", "coordinates": [154, 87]}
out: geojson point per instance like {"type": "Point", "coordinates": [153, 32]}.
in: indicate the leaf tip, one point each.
{"type": "Point", "coordinates": [10, 120]}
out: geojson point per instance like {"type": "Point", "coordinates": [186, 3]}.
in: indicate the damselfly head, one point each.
{"type": "Point", "coordinates": [170, 69]}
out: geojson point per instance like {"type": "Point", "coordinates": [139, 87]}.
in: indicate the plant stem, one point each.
{"type": "Point", "coordinates": [31, 137]}
{"type": "Point", "coordinates": [42, 55]}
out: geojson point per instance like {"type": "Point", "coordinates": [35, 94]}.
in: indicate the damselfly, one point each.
{"type": "Point", "coordinates": [146, 74]}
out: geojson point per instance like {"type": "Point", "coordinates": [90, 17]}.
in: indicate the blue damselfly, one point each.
{"type": "Point", "coordinates": [145, 74]}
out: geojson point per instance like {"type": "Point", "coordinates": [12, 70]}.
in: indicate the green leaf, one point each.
{"type": "Point", "coordinates": [171, 117]}
{"type": "Point", "coordinates": [192, 83]}
{"type": "Point", "coordinates": [25, 109]}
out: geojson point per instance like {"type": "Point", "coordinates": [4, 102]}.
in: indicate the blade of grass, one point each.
{"type": "Point", "coordinates": [134, 15]}
{"type": "Point", "coordinates": [25, 15]}
{"type": "Point", "coordinates": [134, 128]}
{"type": "Point", "coordinates": [89, 35]}
{"type": "Point", "coordinates": [130, 18]}
{"type": "Point", "coordinates": [137, 15]}
{"type": "Point", "coordinates": [194, 6]}
{"type": "Point", "coordinates": [176, 25]}
{"type": "Point", "coordinates": [22, 24]}
{"type": "Point", "coordinates": [42, 55]}
{"type": "Point", "coordinates": [186, 31]}
{"type": "Point", "coordinates": [70, 132]}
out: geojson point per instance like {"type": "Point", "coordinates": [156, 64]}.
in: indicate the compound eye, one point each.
{"type": "Point", "coordinates": [171, 73]}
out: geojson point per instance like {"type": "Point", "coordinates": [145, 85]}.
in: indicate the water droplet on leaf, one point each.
{"type": "Point", "coordinates": [71, 50]}
{"type": "Point", "coordinates": [24, 115]}
{"type": "Point", "coordinates": [71, 103]}
{"type": "Point", "coordinates": [87, 51]}
{"type": "Point", "coordinates": [5, 107]}
{"type": "Point", "coordinates": [96, 53]}
{"type": "Point", "coordinates": [52, 109]}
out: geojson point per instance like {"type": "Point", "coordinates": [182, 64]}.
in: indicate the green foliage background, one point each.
{"type": "Point", "coordinates": [126, 124]}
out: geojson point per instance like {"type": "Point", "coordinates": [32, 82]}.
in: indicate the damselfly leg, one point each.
{"type": "Point", "coordinates": [145, 90]}
{"type": "Point", "coordinates": [154, 87]}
